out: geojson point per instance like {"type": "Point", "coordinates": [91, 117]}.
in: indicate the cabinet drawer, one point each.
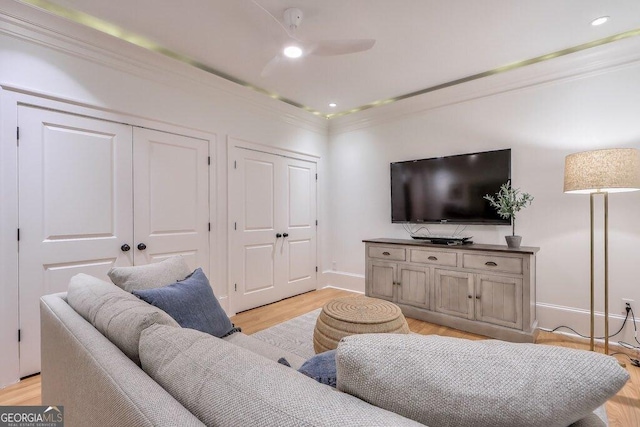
{"type": "Point", "coordinates": [492, 263]}
{"type": "Point", "coordinates": [395, 254]}
{"type": "Point", "coordinates": [434, 257]}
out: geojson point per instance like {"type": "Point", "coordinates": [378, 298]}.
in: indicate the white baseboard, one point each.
{"type": "Point", "coordinates": [551, 316]}
{"type": "Point", "coordinates": [342, 280]}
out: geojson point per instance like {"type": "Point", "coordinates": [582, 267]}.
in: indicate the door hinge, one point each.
{"type": "Point", "coordinates": [18, 133]}
{"type": "Point", "coordinates": [18, 234]}
{"type": "Point", "coordinates": [316, 177]}
{"type": "Point", "coordinates": [19, 335]}
{"type": "Point", "coordinates": [235, 287]}
{"type": "Point", "coordinates": [209, 160]}
{"type": "Point", "coordinates": [235, 164]}
{"type": "Point", "coordinates": [209, 226]}
{"type": "Point", "coordinates": [316, 268]}
{"type": "Point", "coordinates": [316, 222]}
{"type": "Point", "coordinates": [235, 225]}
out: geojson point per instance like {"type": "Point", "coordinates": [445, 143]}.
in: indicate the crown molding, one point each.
{"type": "Point", "coordinates": [575, 66]}
{"type": "Point", "coordinates": [33, 25]}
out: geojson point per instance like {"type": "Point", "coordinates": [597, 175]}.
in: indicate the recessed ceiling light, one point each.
{"type": "Point", "coordinates": [333, 105]}
{"type": "Point", "coordinates": [599, 21]}
{"type": "Point", "coordinates": [292, 52]}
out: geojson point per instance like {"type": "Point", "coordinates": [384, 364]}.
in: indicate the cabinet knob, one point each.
{"type": "Point", "coordinates": [491, 264]}
{"type": "Point", "coordinates": [478, 296]}
{"type": "Point", "coordinates": [433, 258]}
{"type": "Point", "coordinates": [142, 246]}
{"type": "Point", "coordinates": [469, 296]}
{"type": "Point", "coordinates": [125, 248]}
{"type": "Point", "coordinates": [386, 253]}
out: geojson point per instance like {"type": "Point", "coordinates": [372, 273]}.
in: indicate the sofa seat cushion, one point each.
{"type": "Point", "coordinates": [150, 276]}
{"type": "Point", "coordinates": [192, 304]}
{"type": "Point", "coordinates": [226, 385]}
{"type": "Point", "coordinates": [117, 314]}
{"type": "Point", "coordinates": [264, 349]}
{"type": "Point", "coordinates": [442, 381]}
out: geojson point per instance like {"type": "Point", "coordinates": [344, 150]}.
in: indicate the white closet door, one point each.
{"type": "Point", "coordinates": [75, 203]}
{"type": "Point", "coordinates": [271, 196]}
{"type": "Point", "coordinates": [171, 187]}
{"type": "Point", "coordinates": [299, 200]}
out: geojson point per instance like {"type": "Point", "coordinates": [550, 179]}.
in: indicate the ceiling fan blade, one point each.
{"type": "Point", "coordinates": [342, 47]}
{"type": "Point", "coordinates": [270, 66]}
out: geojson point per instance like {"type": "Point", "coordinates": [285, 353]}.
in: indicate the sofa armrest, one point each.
{"type": "Point", "coordinates": [94, 381]}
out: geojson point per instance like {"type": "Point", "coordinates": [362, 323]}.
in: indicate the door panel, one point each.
{"type": "Point", "coordinates": [171, 205]}
{"type": "Point", "coordinates": [499, 300]}
{"type": "Point", "coordinates": [75, 202]}
{"type": "Point", "coordinates": [271, 195]}
{"type": "Point", "coordinates": [415, 286]}
{"type": "Point", "coordinates": [454, 293]}
{"type": "Point", "coordinates": [383, 277]}
{"type": "Point", "coordinates": [298, 221]}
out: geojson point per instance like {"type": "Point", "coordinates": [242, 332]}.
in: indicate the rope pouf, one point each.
{"type": "Point", "coordinates": [342, 317]}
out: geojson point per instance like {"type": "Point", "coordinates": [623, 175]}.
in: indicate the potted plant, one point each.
{"type": "Point", "coordinates": [507, 202]}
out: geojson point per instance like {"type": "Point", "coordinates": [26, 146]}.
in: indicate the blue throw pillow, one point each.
{"type": "Point", "coordinates": [192, 304]}
{"type": "Point", "coordinates": [322, 368]}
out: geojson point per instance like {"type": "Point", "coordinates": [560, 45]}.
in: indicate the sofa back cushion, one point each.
{"type": "Point", "coordinates": [118, 315]}
{"type": "Point", "coordinates": [150, 276]}
{"type": "Point", "coordinates": [223, 384]}
{"type": "Point", "coordinates": [446, 382]}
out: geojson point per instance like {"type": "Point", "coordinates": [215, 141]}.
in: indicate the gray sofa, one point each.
{"type": "Point", "coordinates": [99, 385]}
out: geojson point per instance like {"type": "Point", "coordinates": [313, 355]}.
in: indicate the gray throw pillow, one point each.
{"type": "Point", "coordinates": [446, 382]}
{"type": "Point", "coordinates": [226, 385]}
{"type": "Point", "coordinates": [192, 304]}
{"type": "Point", "coordinates": [117, 314]}
{"type": "Point", "coordinates": [150, 276]}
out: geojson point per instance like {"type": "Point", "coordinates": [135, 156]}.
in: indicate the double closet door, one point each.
{"type": "Point", "coordinates": [273, 239]}
{"type": "Point", "coordinates": [95, 194]}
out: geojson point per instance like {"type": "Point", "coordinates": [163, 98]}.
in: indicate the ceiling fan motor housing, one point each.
{"type": "Point", "coordinates": [293, 17]}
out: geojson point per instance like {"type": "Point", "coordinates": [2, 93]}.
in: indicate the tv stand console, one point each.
{"type": "Point", "coordinates": [484, 289]}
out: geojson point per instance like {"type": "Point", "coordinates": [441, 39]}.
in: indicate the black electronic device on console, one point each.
{"type": "Point", "coordinates": [445, 240]}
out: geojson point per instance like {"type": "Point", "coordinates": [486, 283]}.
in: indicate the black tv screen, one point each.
{"type": "Point", "coordinates": [449, 189]}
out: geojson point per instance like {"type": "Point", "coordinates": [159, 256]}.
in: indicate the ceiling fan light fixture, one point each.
{"type": "Point", "coordinates": [292, 51]}
{"type": "Point", "coordinates": [599, 21]}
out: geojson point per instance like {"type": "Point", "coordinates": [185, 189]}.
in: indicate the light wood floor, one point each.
{"type": "Point", "coordinates": [623, 409]}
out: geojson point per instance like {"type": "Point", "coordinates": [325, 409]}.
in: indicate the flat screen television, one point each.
{"type": "Point", "coordinates": [449, 189]}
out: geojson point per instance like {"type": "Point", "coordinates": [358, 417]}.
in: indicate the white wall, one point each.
{"type": "Point", "coordinates": [44, 54]}
{"type": "Point", "coordinates": [541, 122]}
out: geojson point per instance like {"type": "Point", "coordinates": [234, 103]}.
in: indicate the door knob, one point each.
{"type": "Point", "coordinates": [125, 248]}
{"type": "Point", "coordinates": [278, 236]}
{"type": "Point", "coordinates": [285, 234]}
{"type": "Point", "coordinates": [142, 246]}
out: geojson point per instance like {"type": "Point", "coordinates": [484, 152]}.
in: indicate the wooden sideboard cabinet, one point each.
{"type": "Point", "coordinates": [484, 289]}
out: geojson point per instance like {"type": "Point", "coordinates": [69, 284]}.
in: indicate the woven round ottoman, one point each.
{"type": "Point", "coordinates": [342, 317]}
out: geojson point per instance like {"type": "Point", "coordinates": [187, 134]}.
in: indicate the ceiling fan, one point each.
{"type": "Point", "coordinates": [296, 48]}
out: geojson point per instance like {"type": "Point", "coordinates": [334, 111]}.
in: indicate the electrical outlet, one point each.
{"type": "Point", "coordinates": [626, 301]}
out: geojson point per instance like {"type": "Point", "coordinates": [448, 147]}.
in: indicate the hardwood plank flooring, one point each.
{"type": "Point", "coordinates": [623, 409]}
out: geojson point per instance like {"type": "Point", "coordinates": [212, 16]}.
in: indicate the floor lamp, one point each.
{"type": "Point", "coordinates": [601, 172]}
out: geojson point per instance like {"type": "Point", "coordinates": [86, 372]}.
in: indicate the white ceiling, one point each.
{"type": "Point", "coordinates": [420, 43]}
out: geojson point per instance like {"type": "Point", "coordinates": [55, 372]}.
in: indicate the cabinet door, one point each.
{"type": "Point", "coordinates": [499, 300]}
{"type": "Point", "coordinates": [415, 286]}
{"type": "Point", "coordinates": [381, 279]}
{"type": "Point", "coordinates": [454, 293]}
